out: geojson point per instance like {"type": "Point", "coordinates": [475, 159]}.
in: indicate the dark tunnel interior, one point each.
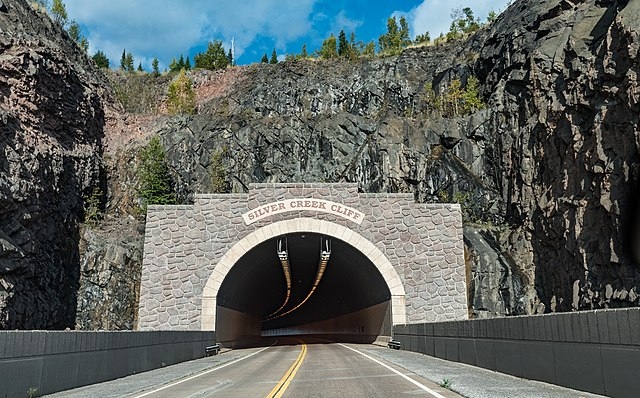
{"type": "Point", "coordinates": [352, 297]}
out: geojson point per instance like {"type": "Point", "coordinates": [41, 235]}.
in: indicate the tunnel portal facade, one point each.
{"type": "Point", "coordinates": [290, 258]}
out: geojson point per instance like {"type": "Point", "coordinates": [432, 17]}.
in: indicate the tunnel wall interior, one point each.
{"type": "Point", "coordinates": [595, 351]}
{"type": "Point", "coordinates": [415, 252]}
{"type": "Point", "coordinates": [58, 361]}
{"type": "Point", "coordinates": [240, 329]}
{"type": "Point", "coordinates": [363, 326]}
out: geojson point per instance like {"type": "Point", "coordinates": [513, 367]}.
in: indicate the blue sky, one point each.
{"type": "Point", "coordinates": [165, 29]}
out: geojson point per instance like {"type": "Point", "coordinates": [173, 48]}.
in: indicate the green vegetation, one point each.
{"type": "Point", "coordinates": [455, 101]}
{"type": "Point", "coordinates": [274, 57]}
{"type": "Point", "coordinates": [446, 383]}
{"type": "Point", "coordinates": [217, 172]}
{"type": "Point", "coordinates": [101, 60]}
{"type": "Point", "coordinates": [181, 98]}
{"type": "Point", "coordinates": [155, 185]}
{"type": "Point", "coordinates": [32, 392]}
{"type": "Point", "coordinates": [180, 64]}
{"type": "Point", "coordinates": [93, 207]}
{"type": "Point", "coordinates": [126, 61]}
{"type": "Point", "coordinates": [396, 38]}
{"type": "Point", "coordinates": [214, 58]}
{"type": "Point", "coordinates": [463, 22]}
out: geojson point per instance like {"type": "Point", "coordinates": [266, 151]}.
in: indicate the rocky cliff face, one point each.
{"type": "Point", "coordinates": [548, 174]}
{"type": "Point", "coordinates": [51, 128]}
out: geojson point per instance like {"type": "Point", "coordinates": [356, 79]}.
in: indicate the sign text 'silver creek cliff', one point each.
{"type": "Point", "coordinates": [319, 205]}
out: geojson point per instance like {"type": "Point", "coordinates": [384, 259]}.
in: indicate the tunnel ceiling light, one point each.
{"type": "Point", "coordinates": [283, 255]}
{"type": "Point", "coordinates": [325, 253]}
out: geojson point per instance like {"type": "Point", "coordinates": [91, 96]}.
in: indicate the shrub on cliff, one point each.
{"type": "Point", "coordinates": [181, 99]}
{"type": "Point", "coordinates": [155, 185]}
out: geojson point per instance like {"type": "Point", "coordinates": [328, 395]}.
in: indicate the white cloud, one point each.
{"type": "Point", "coordinates": [434, 16]}
{"type": "Point", "coordinates": [343, 22]}
{"type": "Point", "coordinates": [164, 28]}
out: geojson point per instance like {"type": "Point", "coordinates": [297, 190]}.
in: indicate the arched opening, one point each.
{"type": "Point", "coordinates": [357, 297]}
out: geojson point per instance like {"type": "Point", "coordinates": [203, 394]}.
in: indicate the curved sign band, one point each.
{"type": "Point", "coordinates": [287, 205]}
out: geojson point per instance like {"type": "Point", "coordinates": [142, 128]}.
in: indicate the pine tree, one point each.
{"type": "Point", "coordinates": [155, 64]}
{"type": "Point", "coordinates": [264, 59]}
{"type": "Point", "coordinates": [129, 63]}
{"type": "Point", "coordinates": [59, 12]}
{"type": "Point", "coordinates": [328, 48]}
{"type": "Point", "coordinates": [140, 67]}
{"type": "Point", "coordinates": [405, 39]}
{"type": "Point", "coordinates": [214, 58]}
{"type": "Point", "coordinates": [187, 64]}
{"type": "Point", "coordinates": [274, 57]}
{"type": "Point", "coordinates": [391, 42]}
{"type": "Point", "coordinates": [303, 52]}
{"type": "Point", "coordinates": [155, 183]}
{"type": "Point", "coordinates": [123, 60]}
{"type": "Point", "coordinates": [343, 46]}
{"type": "Point", "coordinates": [101, 60]}
{"type": "Point", "coordinates": [230, 57]}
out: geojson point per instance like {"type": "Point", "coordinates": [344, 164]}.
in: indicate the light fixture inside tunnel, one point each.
{"type": "Point", "coordinates": [325, 253]}
{"type": "Point", "coordinates": [283, 255]}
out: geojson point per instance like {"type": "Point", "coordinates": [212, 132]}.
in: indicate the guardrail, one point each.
{"type": "Point", "coordinates": [45, 362]}
{"type": "Point", "coordinates": [595, 351]}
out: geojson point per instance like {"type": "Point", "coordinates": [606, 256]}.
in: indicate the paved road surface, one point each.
{"type": "Point", "coordinates": [325, 370]}
{"type": "Point", "coordinates": [296, 368]}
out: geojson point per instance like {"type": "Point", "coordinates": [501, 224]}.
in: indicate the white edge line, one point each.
{"type": "Point", "coordinates": [422, 386]}
{"type": "Point", "coordinates": [199, 374]}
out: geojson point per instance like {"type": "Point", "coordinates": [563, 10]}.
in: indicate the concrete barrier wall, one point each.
{"type": "Point", "coordinates": [595, 351]}
{"type": "Point", "coordinates": [57, 361]}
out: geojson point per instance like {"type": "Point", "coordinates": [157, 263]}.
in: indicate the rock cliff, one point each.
{"type": "Point", "coordinates": [52, 121]}
{"type": "Point", "coordinates": [548, 173]}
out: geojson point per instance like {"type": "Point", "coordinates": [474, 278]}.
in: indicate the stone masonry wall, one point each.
{"type": "Point", "coordinates": [183, 244]}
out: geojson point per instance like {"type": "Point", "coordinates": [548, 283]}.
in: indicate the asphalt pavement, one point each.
{"type": "Point", "coordinates": [465, 380]}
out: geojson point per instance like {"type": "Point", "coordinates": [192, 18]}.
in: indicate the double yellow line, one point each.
{"type": "Point", "coordinates": [283, 384]}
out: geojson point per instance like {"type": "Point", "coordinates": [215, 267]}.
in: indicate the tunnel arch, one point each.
{"type": "Point", "coordinates": [307, 225]}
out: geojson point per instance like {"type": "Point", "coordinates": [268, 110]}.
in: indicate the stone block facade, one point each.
{"type": "Point", "coordinates": [418, 249]}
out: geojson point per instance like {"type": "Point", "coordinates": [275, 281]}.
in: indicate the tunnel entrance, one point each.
{"type": "Point", "coordinates": [303, 283]}
{"type": "Point", "coordinates": [219, 264]}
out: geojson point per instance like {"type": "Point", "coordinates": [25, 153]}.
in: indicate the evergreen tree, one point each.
{"type": "Point", "coordinates": [230, 57]}
{"type": "Point", "coordinates": [369, 49]}
{"type": "Point", "coordinates": [391, 42]}
{"type": "Point", "coordinates": [155, 184]}
{"type": "Point", "coordinates": [274, 57]}
{"type": "Point", "coordinates": [173, 66]}
{"type": "Point", "coordinates": [264, 59]}
{"type": "Point", "coordinates": [129, 63]}
{"type": "Point", "coordinates": [155, 64]}
{"type": "Point", "coordinates": [328, 48]}
{"type": "Point", "coordinates": [354, 48]}
{"type": "Point", "coordinates": [343, 46]}
{"type": "Point", "coordinates": [303, 52]}
{"type": "Point", "coordinates": [123, 60]}
{"type": "Point", "coordinates": [101, 60]}
{"type": "Point", "coordinates": [140, 67]}
{"type": "Point", "coordinates": [214, 58]}
{"type": "Point", "coordinates": [187, 64]}
{"type": "Point", "coordinates": [181, 64]}
{"type": "Point", "coordinates": [59, 12]}
{"type": "Point", "coordinates": [423, 38]}
{"type": "Point", "coordinates": [405, 39]}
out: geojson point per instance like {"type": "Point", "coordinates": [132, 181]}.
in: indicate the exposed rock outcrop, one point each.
{"type": "Point", "coordinates": [51, 128]}
{"type": "Point", "coordinates": [548, 174]}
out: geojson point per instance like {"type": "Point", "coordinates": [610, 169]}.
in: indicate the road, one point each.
{"type": "Point", "coordinates": [297, 368]}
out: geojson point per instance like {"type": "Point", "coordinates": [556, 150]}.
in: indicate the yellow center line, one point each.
{"type": "Point", "coordinates": [283, 384]}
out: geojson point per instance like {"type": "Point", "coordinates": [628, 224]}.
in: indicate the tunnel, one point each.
{"type": "Point", "coordinates": [282, 287]}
